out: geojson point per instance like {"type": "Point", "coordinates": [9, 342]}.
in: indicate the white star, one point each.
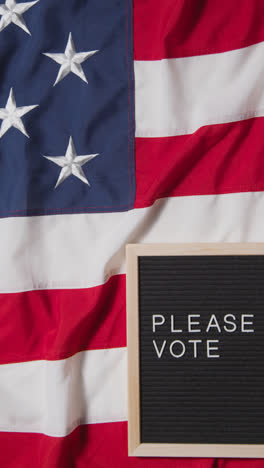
{"type": "Point", "coordinates": [11, 115]}
{"type": "Point", "coordinates": [71, 164]}
{"type": "Point", "coordinates": [12, 12]}
{"type": "Point", "coordinates": [71, 61]}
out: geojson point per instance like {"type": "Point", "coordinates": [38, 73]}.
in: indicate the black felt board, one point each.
{"type": "Point", "coordinates": [202, 400]}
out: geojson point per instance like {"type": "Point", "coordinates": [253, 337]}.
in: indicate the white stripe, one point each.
{"type": "Point", "coordinates": [177, 96]}
{"type": "Point", "coordinates": [80, 251]}
{"type": "Point", "coordinates": [54, 397]}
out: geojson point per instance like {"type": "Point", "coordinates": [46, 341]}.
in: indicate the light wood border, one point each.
{"type": "Point", "coordinates": [135, 447]}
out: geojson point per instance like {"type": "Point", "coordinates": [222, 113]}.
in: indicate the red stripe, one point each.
{"type": "Point", "coordinates": [176, 28]}
{"type": "Point", "coordinates": [93, 446]}
{"type": "Point", "coordinates": [216, 159]}
{"type": "Point", "coordinates": [58, 323]}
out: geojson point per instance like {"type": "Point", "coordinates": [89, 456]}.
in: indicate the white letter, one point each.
{"type": "Point", "coordinates": [234, 327]}
{"type": "Point", "coordinates": [172, 326]}
{"type": "Point", "coordinates": [183, 349]}
{"type": "Point", "coordinates": [243, 323]}
{"type": "Point", "coordinates": [159, 352]}
{"type": "Point", "coordinates": [195, 346]}
{"type": "Point", "coordinates": [215, 324]}
{"type": "Point", "coordinates": [212, 349]}
{"type": "Point", "coordinates": [190, 323]}
{"type": "Point", "coordinates": [154, 323]}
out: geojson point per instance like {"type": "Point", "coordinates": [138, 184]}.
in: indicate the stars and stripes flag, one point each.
{"type": "Point", "coordinates": [120, 122]}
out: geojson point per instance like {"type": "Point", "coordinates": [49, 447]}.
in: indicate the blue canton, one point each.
{"type": "Point", "coordinates": [66, 107]}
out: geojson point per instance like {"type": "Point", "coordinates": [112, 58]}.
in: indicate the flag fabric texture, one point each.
{"type": "Point", "coordinates": [120, 122]}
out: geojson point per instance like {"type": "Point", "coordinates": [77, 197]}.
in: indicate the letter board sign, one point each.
{"type": "Point", "coordinates": [195, 333]}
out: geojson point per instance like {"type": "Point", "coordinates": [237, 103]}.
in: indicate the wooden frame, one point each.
{"type": "Point", "coordinates": [135, 447]}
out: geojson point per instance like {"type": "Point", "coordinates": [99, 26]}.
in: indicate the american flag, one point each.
{"type": "Point", "coordinates": [120, 122]}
